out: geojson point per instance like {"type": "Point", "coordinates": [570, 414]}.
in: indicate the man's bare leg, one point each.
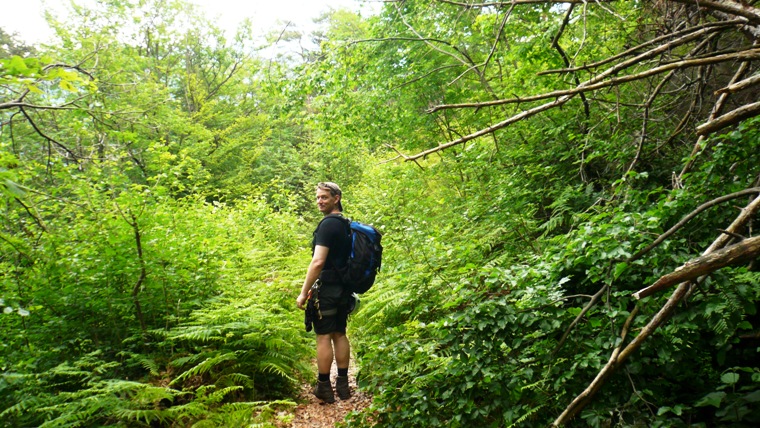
{"type": "Point", "coordinates": [323, 389]}
{"type": "Point", "coordinates": [342, 349]}
{"type": "Point", "coordinates": [324, 353]}
{"type": "Point", "coordinates": [342, 357]}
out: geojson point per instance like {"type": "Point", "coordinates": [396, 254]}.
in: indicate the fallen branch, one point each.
{"type": "Point", "coordinates": [634, 49]}
{"type": "Point", "coordinates": [732, 8]}
{"type": "Point", "coordinates": [564, 96]}
{"type": "Point", "coordinates": [599, 82]}
{"type": "Point", "coordinates": [743, 251]}
{"type": "Point", "coordinates": [595, 298]}
{"type": "Point", "coordinates": [691, 215]}
{"type": "Point", "coordinates": [730, 118]}
{"type": "Point", "coordinates": [514, 2]}
{"type": "Point", "coordinates": [717, 108]}
{"type": "Point", "coordinates": [738, 86]}
{"type": "Point", "coordinates": [617, 359]}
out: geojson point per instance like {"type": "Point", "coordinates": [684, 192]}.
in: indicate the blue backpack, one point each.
{"type": "Point", "coordinates": [364, 259]}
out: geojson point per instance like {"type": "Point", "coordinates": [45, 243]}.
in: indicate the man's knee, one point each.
{"type": "Point", "coordinates": [337, 335]}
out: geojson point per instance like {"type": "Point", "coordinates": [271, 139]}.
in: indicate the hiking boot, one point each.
{"type": "Point", "coordinates": [341, 387]}
{"type": "Point", "coordinates": [324, 391]}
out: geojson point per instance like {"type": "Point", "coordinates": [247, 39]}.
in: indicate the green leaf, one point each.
{"type": "Point", "coordinates": [619, 269]}
{"type": "Point", "coordinates": [13, 188]}
{"type": "Point", "coordinates": [752, 397]}
{"type": "Point", "coordinates": [33, 88]}
{"type": "Point", "coordinates": [711, 399]}
{"type": "Point", "coordinates": [730, 378]}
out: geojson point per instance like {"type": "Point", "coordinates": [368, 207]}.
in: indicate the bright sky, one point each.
{"type": "Point", "coordinates": [26, 16]}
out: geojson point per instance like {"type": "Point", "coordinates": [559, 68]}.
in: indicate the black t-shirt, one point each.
{"type": "Point", "coordinates": [332, 232]}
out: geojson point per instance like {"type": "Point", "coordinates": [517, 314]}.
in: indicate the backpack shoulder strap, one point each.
{"type": "Point", "coordinates": [346, 220]}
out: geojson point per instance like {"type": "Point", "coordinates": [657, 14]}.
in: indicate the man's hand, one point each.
{"type": "Point", "coordinates": [301, 301]}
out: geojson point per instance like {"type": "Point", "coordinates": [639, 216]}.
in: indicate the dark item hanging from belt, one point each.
{"type": "Point", "coordinates": [313, 312]}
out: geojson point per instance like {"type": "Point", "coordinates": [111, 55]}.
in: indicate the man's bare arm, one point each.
{"type": "Point", "coordinates": [315, 268]}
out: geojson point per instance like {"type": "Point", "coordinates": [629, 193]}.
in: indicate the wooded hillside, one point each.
{"type": "Point", "coordinates": [568, 193]}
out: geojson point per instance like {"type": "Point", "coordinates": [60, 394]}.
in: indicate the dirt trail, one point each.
{"type": "Point", "coordinates": [310, 413]}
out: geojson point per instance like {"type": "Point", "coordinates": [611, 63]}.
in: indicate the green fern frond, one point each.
{"type": "Point", "coordinates": [206, 366]}
{"type": "Point", "coordinates": [275, 368]}
{"type": "Point", "coordinates": [22, 407]}
{"type": "Point", "coordinates": [528, 414]}
{"type": "Point", "coordinates": [236, 379]}
{"type": "Point", "coordinates": [148, 416]}
{"type": "Point", "coordinates": [219, 395]}
{"type": "Point", "coordinates": [191, 359]}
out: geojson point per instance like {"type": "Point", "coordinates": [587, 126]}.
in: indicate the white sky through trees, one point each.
{"type": "Point", "coordinates": [25, 17]}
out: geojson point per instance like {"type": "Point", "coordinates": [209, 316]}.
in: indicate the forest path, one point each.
{"type": "Point", "coordinates": [312, 413]}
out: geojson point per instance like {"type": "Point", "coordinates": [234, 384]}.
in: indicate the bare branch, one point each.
{"type": "Point", "coordinates": [717, 107]}
{"type": "Point", "coordinates": [595, 298]}
{"type": "Point", "coordinates": [691, 215]}
{"type": "Point", "coordinates": [741, 85]}
{"type": "Point", "coordinates": [645, 123]}
{"type": "Point", "coordinates": [21, 104]}
{"type": "Point", "coordinates": [33, 215]}
{"type": "Point", "coordinates": [565, 95]}
{"type": "Point", "coordinates": [730, 118]}
{"type": "Point", "coordinates": [404, 39]}
{"type": "Point", "coordinates": [631, 51]}
{"type": "Point", "coordinates": [73, 67]}
{"type": "Point", "coordinates": [49, 139]}
{"type": "Point", "coordinates": [516, 2]}
{"type": "Point", "coordinates": [467, 60]}
{"type": "Point", "coordinates": [617, 359]}
{"type": "Point", "coordinates": [496, 39]}
{"type": "Point", "coordinates": [738, 9]}
{"type": "Point", "coordinates": [599, 82]}
{"type": "Point", "coordinates": [743, 251]}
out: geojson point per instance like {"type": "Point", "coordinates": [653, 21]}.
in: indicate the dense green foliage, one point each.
{"type": "Point", "coordinates": [156, 214]}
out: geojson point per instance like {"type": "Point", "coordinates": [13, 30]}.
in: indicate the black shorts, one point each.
{"type": "Point", "coordinates": [333, 300]}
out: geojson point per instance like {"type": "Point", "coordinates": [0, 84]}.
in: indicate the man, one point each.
{"type": "Point", "coordinates": [331, 246]}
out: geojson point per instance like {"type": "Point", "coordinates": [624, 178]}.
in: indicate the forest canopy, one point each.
{"type": "Point", "coordinates": [568, 193]}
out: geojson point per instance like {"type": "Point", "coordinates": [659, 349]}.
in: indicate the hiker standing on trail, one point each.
{"type": "Point", "coordinates": [328, 300]}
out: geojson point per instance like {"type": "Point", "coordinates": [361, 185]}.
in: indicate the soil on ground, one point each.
{"type": "Point", "coordinates": [312, 413]}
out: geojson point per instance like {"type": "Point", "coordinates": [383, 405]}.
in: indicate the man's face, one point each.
{"type": "Point", "coordinates": [325, 201]}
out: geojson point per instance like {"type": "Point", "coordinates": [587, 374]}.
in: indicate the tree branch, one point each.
{"type": "Point", "coordinates": [730, 118]}
{"type": "Point", "coordinates": [738, 9]}
{"type": "Point", "coordinates": [598, 82]}
{"type": "Point", "coordinates": [645, 122]}
{"type": "Point", "coordinates": [661, 316]}
{"type": "Point", "coordinates": [691, 215]}
{"type": "Point", "coordinates": [713, 114]}
{"type": "Point", "coordinates": [516, 2]}
{"type": "Point", "coordinates": [743, 251]}
{"type": "Point", "coordinates": [741, 85]}
{"type": "Point", "coordinates": [710, 25]}
{"type": "Point", "coordinates": [595, 298]}
{"type": "Point", "coordinates": [466, 61]}
{"type": "Point", "coordinates": [565, 95]}
{"type": "Point", "coordinates": [132, 221]}
{"type": "Point", "coordinates": [50, 140]}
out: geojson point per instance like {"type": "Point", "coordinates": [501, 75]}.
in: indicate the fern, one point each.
{"type": "Point", "coordinates": [521, 420]}
{"type": "Point", "coordinates": [148, 416]}
{"type": "Point", "coordinates": [205, 366]}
